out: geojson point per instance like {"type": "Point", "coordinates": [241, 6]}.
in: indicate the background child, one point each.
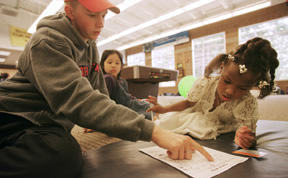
{"type": "Point", "coordinates": [222, 104]}
{"type": "Point", "coordinates": [111, 64]}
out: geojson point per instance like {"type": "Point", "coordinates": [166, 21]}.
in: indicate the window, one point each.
{"type": "Point", "coordinates": [163, 57]}
{"type": "Point", "coordinates": [136, 59]}
{"type": "Point", "coordinates": [205, 49]}
{"type": "Point", "coordinates": [276, 31]}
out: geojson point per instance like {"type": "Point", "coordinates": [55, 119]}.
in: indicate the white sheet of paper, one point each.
{"type": "Point", "coordinates": [198, 166]}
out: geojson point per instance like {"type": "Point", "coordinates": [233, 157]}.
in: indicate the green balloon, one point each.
{"type": "Point", "coordinates": [185, 85]}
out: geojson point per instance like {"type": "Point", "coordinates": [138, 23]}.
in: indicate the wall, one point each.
{"type": "Point", "coordinates": [183, 53]}
{"type": "Point", "coordinates": [5, 21]}
{"type": "Point", "coordinates": [283, 84]}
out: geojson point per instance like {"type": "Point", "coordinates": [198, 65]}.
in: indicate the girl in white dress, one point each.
{"type": "Point", "coordinates": [222, 104]}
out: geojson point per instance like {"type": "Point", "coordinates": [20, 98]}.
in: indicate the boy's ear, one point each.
{"type": "Point", "coordinates": [68, 11]}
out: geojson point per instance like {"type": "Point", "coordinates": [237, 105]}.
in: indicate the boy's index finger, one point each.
{"type": "Point", "coordinates": [245, 130]}
{"type": "Point", "coordinates": [198, 147]}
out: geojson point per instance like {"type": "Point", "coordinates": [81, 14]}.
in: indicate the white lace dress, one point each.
{"type": "Point", "coordinates": [201, 123]}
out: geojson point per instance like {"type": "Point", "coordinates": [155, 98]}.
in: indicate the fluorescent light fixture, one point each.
{"type": "Point", "coordinates": [5, 53]}
{"type": "Point", "coordinates": [179, 11]}
{"type": "Point", "coordinates": [207, 21]}
{"type": "Point", "coordinates": [251, 9]}
{"type": "Point", "coordinates": [2, 59]}
{"type": "Point", "coordinates": [51, 9]}
{"type": "Point", "coordinates": [123, 6]}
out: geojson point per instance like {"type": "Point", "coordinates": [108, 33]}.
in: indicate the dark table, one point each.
{"type": "Point", "coordinates": [123, 159]}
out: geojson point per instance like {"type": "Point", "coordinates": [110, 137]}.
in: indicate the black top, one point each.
{"type": "Point", "coordinates": [118, 91]}
{"type": "Point", "coordinates": [123, 159]}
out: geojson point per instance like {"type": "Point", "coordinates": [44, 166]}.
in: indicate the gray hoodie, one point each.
{"type": "Point", "coordinates": [59, 81]}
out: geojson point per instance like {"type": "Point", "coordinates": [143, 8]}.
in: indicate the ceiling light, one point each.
{"type": "Point", "coordinates": [51, 9]}
{"type": "Point", "coordinates": [207, 21]}
{"type": "Point", "coordinates": [251, 8]}
{"type": "Point", "coordinates": [5, 53]}
{"type": "Point", "coordinates": [2, 59]}
{"type": "Point", "coordinates": [179, 11]}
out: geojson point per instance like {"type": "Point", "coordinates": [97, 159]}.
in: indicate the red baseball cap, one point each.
{"type": "Point", "coordinates": [98, 5]}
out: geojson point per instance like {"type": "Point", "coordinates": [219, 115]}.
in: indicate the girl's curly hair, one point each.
{"type": "Point", "coordinates": [259, 57]}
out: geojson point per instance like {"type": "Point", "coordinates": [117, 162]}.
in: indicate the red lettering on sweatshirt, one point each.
{"type": "Point", "coordinates": [85, 69]}
{"type": "Point", "coordinates": [97, 68]}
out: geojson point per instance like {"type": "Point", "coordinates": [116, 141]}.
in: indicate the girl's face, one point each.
{"type": "Point", "coordinates": [89, 24]}
{"type": "Point", "coordinates": [233, 85]}
{"type": "Point", "coordinates": [112, 65]}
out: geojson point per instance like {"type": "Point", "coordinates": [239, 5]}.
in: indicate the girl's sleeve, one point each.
{"type": "Point", "coordinates": [198, 89]}
{"type": "Point", "coordinates": [124, 84]}
{"type": "Point", "coordinates": [126, 99]}
{"type": "Point", "coordinates": [120, 95]}
{"type": "Point", "coordinates": [111, 84]}
{"type": "Point", "coordinates": [246, 112]}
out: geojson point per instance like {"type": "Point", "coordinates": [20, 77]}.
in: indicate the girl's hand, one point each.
{"type": "Point", "coordinates": [152, 99]}
{"type": "Point", "coordinates": [155, 117]}
{"type": "Point", "coordinates": [157, 108]}
{"type": "Point", "coordinates": [244, 137]}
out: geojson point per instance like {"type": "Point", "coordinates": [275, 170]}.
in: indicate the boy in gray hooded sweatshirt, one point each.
{"type": "Point", "coordinates": [59, 83]}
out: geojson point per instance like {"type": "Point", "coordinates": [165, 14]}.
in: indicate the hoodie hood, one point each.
{"type": "Point", "coordinates": [61, 23]}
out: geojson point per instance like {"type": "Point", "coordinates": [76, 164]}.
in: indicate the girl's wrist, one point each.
{"type": "Point", "coordinates": [166, 109]}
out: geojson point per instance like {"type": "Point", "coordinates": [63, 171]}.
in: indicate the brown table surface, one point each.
{"type": "Point", "coordinates": [123, 159]}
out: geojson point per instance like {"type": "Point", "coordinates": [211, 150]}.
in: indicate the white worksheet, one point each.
{"type": "Point", "coordinates": [198, 166]}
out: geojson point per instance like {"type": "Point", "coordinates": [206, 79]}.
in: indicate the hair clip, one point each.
{"type": "Point", "coordinates": [242, 68]}
{"type": "Point", "coordinates": [230, 57]}
{"type": "Point", "coordinates": [263, 84]}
